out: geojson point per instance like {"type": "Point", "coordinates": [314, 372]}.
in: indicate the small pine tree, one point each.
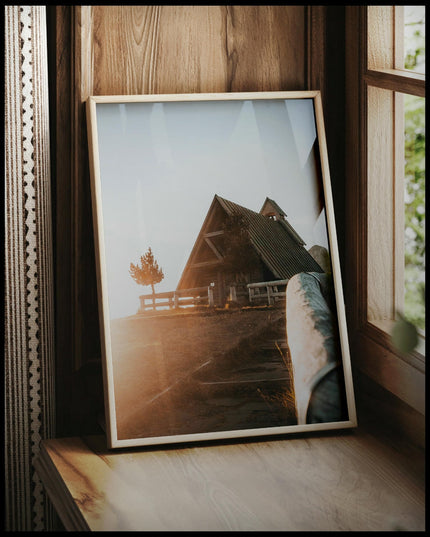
{"type": "Point", "coordinates": [148, 273]}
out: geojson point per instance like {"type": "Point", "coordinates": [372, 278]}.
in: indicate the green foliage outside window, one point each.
{"type": "Point", "coordinates": [415, 41]}
{"type": "Point", "coordinates": [414, 307]}
{"type": "Point", "coordinates": [404, 334]}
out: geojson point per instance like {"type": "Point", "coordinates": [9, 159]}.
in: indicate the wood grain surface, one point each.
{"type": "Point", "coordinates": [347, 482]}
{"type": "Point", "coordinates": [188, 49]}
{"type": "Point", "coordinates": [380, 239]}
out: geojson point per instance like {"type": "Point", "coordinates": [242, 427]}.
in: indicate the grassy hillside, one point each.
{"type": "Point", "coordinates": [198, 372]}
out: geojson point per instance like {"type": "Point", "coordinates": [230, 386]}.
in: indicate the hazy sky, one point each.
{"type": "Point", "coordinates": [162, 163]}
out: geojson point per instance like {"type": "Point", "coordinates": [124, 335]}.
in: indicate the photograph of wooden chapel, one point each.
{"type": "Point", "coordinates": [221, 200]}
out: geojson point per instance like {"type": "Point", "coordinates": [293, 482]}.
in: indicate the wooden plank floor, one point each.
{"type": "Point", "coordinates": [348, 481]}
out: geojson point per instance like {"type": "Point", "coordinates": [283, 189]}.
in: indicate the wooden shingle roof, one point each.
{"type": "Point", "coordinates": [276, 242]}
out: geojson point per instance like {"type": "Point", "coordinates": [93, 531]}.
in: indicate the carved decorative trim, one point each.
{"type": "Point", "coordinates": [29, 331]}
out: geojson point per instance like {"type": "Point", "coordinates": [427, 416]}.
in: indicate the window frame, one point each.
{"type": "Point", "coordinates": [372, 61]}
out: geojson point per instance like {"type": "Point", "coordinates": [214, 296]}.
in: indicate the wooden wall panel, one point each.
{"type": "Point", "coordinates": [187, 49]}
{"type": "Point", "coordinates": [108, 50]}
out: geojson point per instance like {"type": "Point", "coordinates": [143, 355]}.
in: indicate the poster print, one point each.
{"type": "Point", "coordinates": [220, 297]}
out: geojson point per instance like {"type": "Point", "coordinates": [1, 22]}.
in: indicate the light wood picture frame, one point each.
{"type": "Point", "coordinates": [220, 295]}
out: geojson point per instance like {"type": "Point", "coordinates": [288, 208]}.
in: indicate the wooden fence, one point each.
{"type": "Point", "coordinates": [267, 292]}
{"type": "Point", "coordinates": [176, 299]}
{"type": "Point", "coordinates": [255, 293]}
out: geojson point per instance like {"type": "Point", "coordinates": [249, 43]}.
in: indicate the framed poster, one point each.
{"type": "Point", "coordinates": [220, 295]}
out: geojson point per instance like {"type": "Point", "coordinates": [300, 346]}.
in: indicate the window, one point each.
{"type": "Point", "coordinates": [385, 95]}
{"type": "Point", "coordinates": [414, 194]}
{"type": "Point", "coordinates": [396, 179]}
{"type": "Point", "coordinates": [414, 200]}
{"type": "Point", "coordinates": [413, 37]}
